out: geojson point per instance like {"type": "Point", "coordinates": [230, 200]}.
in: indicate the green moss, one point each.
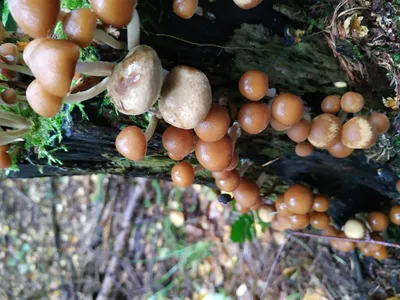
{"type": "Point", "coordinates": [73, 4]}
{"type": "Point", "coordinates": [157, 164]}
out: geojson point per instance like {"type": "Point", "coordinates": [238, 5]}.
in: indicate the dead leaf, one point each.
{"type": "Point", "coordinates": [353, 28]}
{"type": "Point", "coordinates": [288, 272]}
{"type": "Point", "coordinates": [315, 294]}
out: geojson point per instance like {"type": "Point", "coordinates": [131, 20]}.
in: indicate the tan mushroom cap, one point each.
{"type": "Point", "coordinates": [266, 212]}
{"type": "Point", "coordinates": [221, 175]}
{"type": "Point", "coordinates": [299, 221]}
{"type": "Point", "coordinates": [56, 71]}
{"type": "Point", "coordinates": [185, 97]}
{"type": "Point", "coordinates": [380, 121]}
{"type": "Point", "coordinates": [215, 156]}
{"type": "Point", "coordinates": [281, 207]}
{"type": "Point", "coordinates": [9, 96]}
{"type": "Point", "coordinates": [37, 18]}
{"type": "Point", "coordinates": [331, 104]}
{"type": "Point", "coordinates": [253, 85]}
{"type": "Point", "coordinates": [182, 174]}
{"type": "Point", "coordinates": [398, 185]}
{"type": "Point", "coordinates": [352, 102]}
{"type": "Point", "coordinates": [278, 126]}
{"type": "Point", "coordinates": [298, 199]}
{"type": "Point", "coordinates": [230, 183]}
{"type": "Point", "coordinates": [215, 125]}
{"type": "Point", "coordinates": [325, 131]}
{"type": "Point", "coordinates": [321, 203]}
{"type": "Point", "coordinates": [117, 13]}
{"type": "Point", "coordinates": [247, 194]}
{"type": "Point", "coordinates": [304, 149]}
{"type": "Point", "coordinates": [299, 132]}
{"type": "Point", "coordinates": [5, 160]}
{"type": "Point", "coordinates": [287, 109]}
{"type": "Point", "coordinates": [8, 55]}
{"type": "Point", "coordinates": [319, 220]}
{"type": "Point", "coordinates": [280, 223]}
{"type": "Point", "coordinates": [135, 83]}
{"type": "Point", "coordinates": [378, 221]}
{"type": "Point", "coordinates": [79, 26]}
{"type": "Point", "coordinates": [131, 143]}
{"type": "Point", "coordinates": [339, 150]}
{"type": "Point", "coordinates": [358, 133]}
{"type": "Point", "coordinates": [354, 229]}
{"type": "Point", "coordinates": [43, 103]}
{"type": "Point", "coordinates": [344, 246]}
{"type": "Point", "coordinates": [394, 214]}
{"type": "Point", "coordinates": [247, 4]}
{"type": "Point", "coordinates": [241, 209]}
{"type": "Point", "coordinates": [381, 254]}
{"type": "Point", "coordinates": [185, 8]}
{"type": "Point", "coordinates": [178, 142]}
{"type": "Point", "coordinates": [254, 117]}
{"type": "Point", "coordinates": [330, 231]}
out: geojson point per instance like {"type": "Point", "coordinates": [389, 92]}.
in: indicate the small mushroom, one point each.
{"type": "Point", "coordinates": [287, 109]}
{"type": "Point", "coordinates": [321, 203]}
{"type": "Point", "coordinates": [215, 156]}
{"type": "Point", "coordinates": [278, 126]}
{"type": "Point", "coordinates": [8, 55]}
{"type": "Point", "coordinates": [9, 96]}
{"type": "Point", "coordinates": [331, 104]}
{"type": "Point", "coordinates": [298, 199]}
{"type": "Point", "coordinates": [398, 186]}
{"type": "Point", "coordinates": [117, 13]}
{"type": "Point", "coordinates": [339, 150]}
{"type": "Point", "coordinates": [215, 125]}
{"type": "Point", "coordinates": [4, 148]}
{"type": "Point", "coordinates": [186, 8]}
{"type": "Point", "coordinates": [254, 117]}
{"type": "Point", "coordinates": [280, 223]}
{"type": "Point", "coordinates": [221, 175]}
{"type": "Point", "coordinates": [241, 209]}
{"type": "Point", "coordinates": [43, 103]}
{"type": "Point", "coordinates": [352, 102]}
{"type": "Point", "coordinates": [281, 207]}
{"type": "Point", "coordinates": [266, 212]}
{"type": "Point", "coordinates": [381, 254]}
{"type": "Point", "coordinates": [185, 97]}
{"type": "Point", "coordinates": [299, 221]}
{"type": "Point", "coordinates": [80, 26]}
{"type": "Point", "coordinates": [304, 149]}
{"type": "Point", "coordinates": [5, 160]}
{"type": "Point", "coordinates": [380, 121]}
{"type": "Point", "coordinates": [136, 82]}
{"type": "Point", "coordinates": [178, 142]}
{"type": "Point", "coordinates": [344, 246]}
{"type": "Point", "coordinates": [377, 221]}
{"type": "Point", "coordinates": [354, 229]}
{"type": "Point", "coordinates": [325, 131]}
{"type": "Point", "coordinates": [182, 174]}
{"type": "Point", "coordinates": [230, 183]}
{"type": "Point", "coordinates": [253, 85]}
{"type": "Point", "coordinates": [247, 194]}
{"type": "Point", "coordinates": [358, 133]}
{"type": "Point", "coordinates": [330, 231]}
{"type": "Point", "coordinates": [299, 132]}
{"type": "Point", "coordinates": [394, 214]}
{"type": "Point", "coordinates": [319, 220]}
{"type": "Point", "coordinates": [247, 4]}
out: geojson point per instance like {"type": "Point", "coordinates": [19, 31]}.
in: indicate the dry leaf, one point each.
{"type": "Point", "coordinates": [287, 272]}
{"type": "Point", "coordinates": [315, 294]}
{"type": "Point", "coordinates": [390, 102]}
{"type": "Point", "coordinates": [353, 28]}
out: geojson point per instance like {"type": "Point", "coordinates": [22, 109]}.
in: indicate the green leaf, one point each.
{"type": "Point", "coordinates": [5, 13]}
{"type": "Point", "coordinates": [243, 229]}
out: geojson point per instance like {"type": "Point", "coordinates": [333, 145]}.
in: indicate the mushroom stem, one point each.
{"type": "Point", "coordinates": [342, 116]}
{"type": "Point", "coordinates": [88, 94]}
{"type": "Point", "coordinates": [261, 179]}
{"type": "Point", "coordinates": [7, 137]}
{"type": "Point", "coordinates": [12, 120]}
{"type": "Point", "coordinates": [105, 38]}
{"type": "Point", "coordinates": [134, 31]}
{"type": "Point", "coordinates": [271, 93]}
{"type": "Point", "coordinates": [234, 132]}
{"type": "Point", "coordinates": [16, 68]}
{"type": "Point", "coordinates": [151, 127]}
{"type": "Point", "coordinates": [199, 11]}
{"type": "Point", "coordinates": [246, 163]}
{"type": "Point", "coordinates": [198, 168]}
{"type": "Point", "coordinates": [98, 69]}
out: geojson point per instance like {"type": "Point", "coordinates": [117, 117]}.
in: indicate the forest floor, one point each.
{"type": "Point", "coordinates": [57, 237]}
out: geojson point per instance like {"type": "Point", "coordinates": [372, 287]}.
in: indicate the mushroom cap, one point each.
{"type": "Point", "coordinates": [278, 126]}
{"type": "Point", "coordinates": [352, 102]}
{"type": "Point", "coordinates": [380, 121]}
{"type": "Point", "coordinates": [185, 8]}
{"type": "Point", "coordinates": [247, 4]}
{"type": "Point", "coordinates": [299, 199]}
{"type": "Point", "coordinates": [9, 53]}
{"type": "Point", "coordinates": [254, 117]}
{"type": "Point", "coordinates": [3, 33]}
{"type": "Point", "coordinates": [364, 249]}
{"type": "Point", "coordinates": [287, 109]}
{"type": "Point", "coordinates": [266, 212]}
{"type": "Point", "coordinates": [253, 85]}
{"type": "Point", "coordinates": [280, 223]}
{"type": "Point", "coordinates": [182, 174]}
{"type": "Point", "coordinates": [321, 203]}
{"type": "Point", "coordinates": [37, 18]}
{"type": "Point", "coordinates": [325, 131]}
{"type": "Point", "coordinates": [398, 186]}
{"type": "Point", "coordinates": [256, 205]}
{"type": "Point", "coordinates": [298, 133]}
{"type": "Point", "coordinates": [247, 193]}
{"type": "Point", "coordinates": [178, 142]}
{"type": "Point", "coordinates": [304, 149]}
{"type": "Point", "coordinates": [131, 143]}
{"type": "Point", "coordinates": [331, 104]}
{"type": "Point", "coordinates": [215, 156]}
{"type": "Point", "coordinates": [79, 26]}
{"type": "Point", "coordinates": [358, 133]}
{"type": "Point", "coordinates": [117, 13]}
{"type": "Point", "coordinates": [330, 231]}
{"type": "Point", "coordinates": [377, 221]}
{"type": "Point", "coordinates": [221, 175]}
{"type": "Point", "coordinates": [135, 83]}
{"type": "Point", "coordinates": [9, 74]}
{"type": "Point", "coordinates": [215, 125]}
{"type": "Point", "coordinates": [344, 246]}
{"type": "Point", "coordinates": [5, 160]}
{"type": "Point", "coordinates": [381, 254]}
{"type": "Point", "coordinates": [354, 229]}
{"type": "Point", "coordinates": [241, 209]}
{"type": "Point", "coordinates": [4, 148]}
{"type": "Point", "coordinates": [299, 221]}
{"type": "Point", "coordinates": [43, 103]}
{"type": "Point", "coordinates": [319, 220]}
{"type": "Point", "coordinates": [394, 214]}
{"type": "Point", "coordinates": [185, 97]}
{"type": "Point", "coordinates": [372, 247]}
{"type": "Point", "coordinates": [234, 162]}
{"type": "Point", "coordinates": [230, 183]}
{"type": "Point", "coordinates": [9, 96]}
{"type": "Point", "coordinates": [339, 150]}
{"type": "Point", "coordinates": [55, 73]}
{"type": "Point", "coordinates": [281, 207]}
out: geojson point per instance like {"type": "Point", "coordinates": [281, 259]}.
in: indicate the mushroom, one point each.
{"type": "Point", "coordinates": [253, 85]}
{"type": "Point", "coordinates": [278, 126]}
{"type": "Point", "coordinates": [325, 131]}
{"type": "Point", "coordinates": [5, 160]}
{"type": "Point", "coordinates": [372, 247]}
{"type": "Point", "coordinates": [299, 221]}
{"type": "Point", "coordinates": [8, 55]}
{"type": "Point", "coordinates": [215, 125]}
{"type": "Point", "coordinates": [182, 174]}
{"type": "Point", "coordinates": [319, 220]}
{"type": "Point", "coordinates": [330, 231]}
{"type": "Point", "coordinates": [280, 223]}
{"type": "Point", "coordinates": [178, 142]}
{"type": "Point", "coordinates": [135, 83]}
{"type": "Point", "coordinates": [247, 194]}
{"type": "Point", "coordinates": [43, 103]}
{"type": "Point", "coordinates": [331, 104]}
{"type": "Point", "coordinates": [339, 150]}
{"type": "Point", "coordinates": [394, 214]}
{"type": "Point", "coordinates": [321, 203]}
{"type": "Point", "coordinates": [37, 18]}
{"type": "Point", "coordinates": [215, 156]}
{"type": "Point", "coordinates": [358, 133]}
{"type": "Point", "coordinates": [187, 8]}
{"type": "Point", "coordinates": [398, 186]}
{"type": "Point", "coordinates": [185, 97]}
{"type": "Point", "coordinates": [298, 199]}
{"type": "Point", "coordinates": [234, 162]}
{"type": "Point", "coordinates": [247, 4]}
{"type": "Point", "coordinates": [4, 148]}
{"type": "Point", "coordinates": [299, 132]}
{"type": "Point", "coordinates": [380, 121]}
{"type": "Point", "coordinates": [241, 209]}
{"type": "Point", "coordinates": [381, 254]}
{"type": "Point", "coordinates": [254, 117]}
{"type": "Point", "coordinates": [281, 207]}
{"type": "Point", "coordinates": [344, 246]}
{"type": "Point", "coordinates": [377, 221]}
{"type": "Point", "coordinates": [117, 13]}
{"type": "Point", "coordinates": [304, 149]}
{"type": "Point", "coordinates": [352, 102]}
{"type": "Point", "coordinates": [257, 205]}
{"type": "Point", "coordinates": [354, 229]}
{"type": "Point", "coordinates": [266, 212]}
{"type": "Point", "coordinates": [230, 183]}
{"type": "Point", "coordinates": [221, 175]}
{"type": "Point", "coordinates": [287, 109]}
{"type": "Point", "coordinates": [10, 97]}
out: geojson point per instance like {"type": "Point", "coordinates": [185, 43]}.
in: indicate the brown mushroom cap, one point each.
{"type": "Point", "coordinates": [331, 104]}
{"type": "Point", "coordinates": [330, 231]}
{"type": "Point", "coordinates": [247, 4]}
{"type": "Point", "coordinates": [275, 124]}
{"type": "Point", "coordinates": [304, 149]}
{"type": "Point", "coordinates": [253, 85]}
{"type": "Point", "coordinates": [398, 185]}
{"type": "Point", "coordinates": [79, 26]}
{"type": "Point", "coordinates": [9, 74]}
{"type": "Point", "coordinates": [185, 8]}
{"type": "Point", "coordinates": [358, 133]}
{"type": "Point", "coordinates": [247, 193]}
{"type": "Point", "coordinates": [321, 203]}
{"type": "Point", "coordinates": [339, 150]}
{"type": "Point", "coordinates": [394, 214]}
{"type": "Point", "coordinates": [175, 157]}
{"type": "Point", "coordinates": [254, 117]}
{"type": "Point", "coordinates": [381, 254]}
{"type": "Point", "coordinates": [4, 148]}
{"type": "Point", "coordinates": [256, 205]}
{"type": "Point", "coordinates": [185, 97]}
{"type": "Point", "coordinates": [215, 125]}
{"type": "Point", "coordinates": [5, 160]}
{"type": "Point", "coordinates": [234, 162]}
{"type": "Point", "coordinates": [378, 221]}
{"type": "Point", "coordinates": [131, 143]}
{"type": "Point", "coordinates": [9, 56]}
{"type": "Point", "coordinates": [354, 229]}
{"type": "Point", "coordinates": [372, 247]}
{"type": "Point", "coordinates": [299, 221]}
{"type": "Point", "coordinates": [352, 102]}
{"type": "Point", "coordinates": [299, 199]}
{"type": "Point", "coordinates": [182, 174]}
{"type": "Point", "coordinates": [380, 121]}
{"type": "Point", "coordinates": [215, 156]}
{"type": "Point", "coordinates": [299, 132]}
{"type": "Point", "coordinates": [135, 83]}
{"type": "Point", "coordinates": [281, 207]}
{"type": "Point", "coordinates": [343, 246]}
{"type": "Point", "coordinates": [364, 250]}
{"type": "Point", "coordinates": [9, 96]}
{"type": "Point", "coordinates": [54, 73]}
{"type": "Point", "coordinates": [230, 183]}
{"type": "Point", "coordinates": [280, 223]}
{"type": "Point", "coordinates": [287, 109]}
{"type": "Point", "coordinates": [117, 13]}
{"type": "Point", "coordinates": [178, 142]}
{"type": "Point", "coordinates": [37, 18]}
{"type": "Point", "coordinates": [319, 220]}
{"type": "Point", "coordinates": [43, 103]}
{"type": "Point", "coordinates": [266, 212]}
{"type": "Point", "coordinates": [241, 209]}
{"type": "Point", "coordinates": [325, 131]}
{"type": "Point", "coordinates": [221, 175]}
